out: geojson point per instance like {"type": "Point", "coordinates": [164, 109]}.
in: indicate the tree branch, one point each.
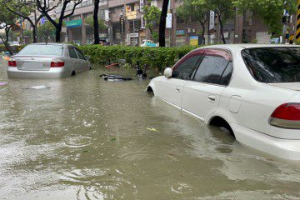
{"type": "Point", "coordinates": [70, 14]}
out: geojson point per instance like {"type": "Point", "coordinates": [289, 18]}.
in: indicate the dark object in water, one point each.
{"type": "Point", "coordinates": [111, 77]}
{"type": "Point", "coordinates": [141, 73]}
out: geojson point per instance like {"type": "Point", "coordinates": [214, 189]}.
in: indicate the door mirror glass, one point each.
{"type": "Point", "coordinates": [168, 72]}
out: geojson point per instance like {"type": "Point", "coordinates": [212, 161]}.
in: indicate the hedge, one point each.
{"type": "Point", "coordinates": [13, 48]}
{"type": "Point", "coordinates": [155, 57]}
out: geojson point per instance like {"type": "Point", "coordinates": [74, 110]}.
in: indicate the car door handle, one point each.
{"type": "Point", "coordinates": [211, 98]}
{"type": "Point", "coordinates": [177, 90]}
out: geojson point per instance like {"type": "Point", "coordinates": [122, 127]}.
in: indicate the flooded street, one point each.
{"type": "Point", "coordinates": [85, 138]}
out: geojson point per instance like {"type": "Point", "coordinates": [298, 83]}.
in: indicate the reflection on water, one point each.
{"type": "Point", "coordinates": [84, 138]}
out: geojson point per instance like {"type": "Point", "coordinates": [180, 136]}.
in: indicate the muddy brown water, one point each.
{"type": "Point", "coordinates": [85, 138]}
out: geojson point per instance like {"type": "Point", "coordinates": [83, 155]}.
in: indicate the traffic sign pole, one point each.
{"type": "Point", "coordinates": [298, 23]}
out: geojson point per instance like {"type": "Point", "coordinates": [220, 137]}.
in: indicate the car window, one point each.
{"type": "Point", "coordinates": [186, 69]}
{"type": "Point", "coordinates": [211, 69]}
{"type": "Point", "coordinates": [72, 52]}
{"type": "Point", "coordinates": [274, 64]}
{"type": "Point", "coordinates": [46, 49]}
{"type": "Point", "coordinates": [227, 75]}
{"type": "Point", "coordinates": [80, 56]}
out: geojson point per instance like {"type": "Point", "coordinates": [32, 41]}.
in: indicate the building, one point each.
{"type": "Point", "coordinates": [125, 25]}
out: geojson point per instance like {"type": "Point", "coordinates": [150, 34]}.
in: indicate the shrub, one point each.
{"type": "Point", "coordinates": [15, 49]}
{"type": "Point", "coordinates": [155, 57]}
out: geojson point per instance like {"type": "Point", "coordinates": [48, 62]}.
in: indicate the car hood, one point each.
{"type": "Point", "coordinates": [292, 86]}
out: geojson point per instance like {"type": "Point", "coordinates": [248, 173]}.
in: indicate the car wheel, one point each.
{"type": "Point", "coordinates": [222, 124]}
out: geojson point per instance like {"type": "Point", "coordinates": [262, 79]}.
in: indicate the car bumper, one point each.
{"type": "Point", "coordinates": [283, 148]}
{"type": "Point", "coordinates": [53, 73]}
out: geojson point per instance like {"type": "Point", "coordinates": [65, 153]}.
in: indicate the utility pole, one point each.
{"type": "Point", "coordinates": [298, 23]}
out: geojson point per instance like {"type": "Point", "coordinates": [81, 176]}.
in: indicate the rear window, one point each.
{"type": "Point", "coordinates": [55, 50]}
{"type": "Point", "coordinates": [273, 65]}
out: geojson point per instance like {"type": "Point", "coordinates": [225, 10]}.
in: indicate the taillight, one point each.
{"type": "Point", "coordinates": [286, 116]}
{"type": "Point", "coordinates": [57, 63]}
{"type": "Point", "coordinates": [12, 62]}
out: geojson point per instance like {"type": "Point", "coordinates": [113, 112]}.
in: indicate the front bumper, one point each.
{"type": "Point", "coordinates": [283, 148]}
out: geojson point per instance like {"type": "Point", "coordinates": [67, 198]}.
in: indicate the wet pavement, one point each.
{"type": "Point", "coordinates": [85, 138]}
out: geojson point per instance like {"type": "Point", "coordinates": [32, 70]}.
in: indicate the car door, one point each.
{"type": "Point", "coordinates": [201, 96]}
{"type": "Point", "coordinates": [75, 63]}
{"type": "Point", "coordinates": [170, 89]}
{"type": "Point", "coordinates": [83, 64]}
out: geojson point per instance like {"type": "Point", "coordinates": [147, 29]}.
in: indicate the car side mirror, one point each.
{"type": "Point", "coordinates": [168, 72]}
{"type": "Point", "coordinates": [87, 57]}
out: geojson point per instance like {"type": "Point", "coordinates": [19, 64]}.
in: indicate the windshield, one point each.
{"type": "Point", "coordinates": [48, 49]}
{"type": "Point", "coordinates": [274, 64]}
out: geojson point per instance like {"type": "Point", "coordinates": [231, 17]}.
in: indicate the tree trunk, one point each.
{"type": "Point", "coordinates": [5, 42]}
{"type": "Point", "coordinates": [34, 39]}
{"type": "Point", "coordinates": [57, 33]}
{"type": "Point", "coordinates": [96, 23]}
{"type": "Point", "coordinates": [203, 32]}
{"type": "Point", "coordinates": [221, 28]}
{"type": "Point", "coordinates": [162, 24]}
{"type": "Point", "coordinates": [34, 34]}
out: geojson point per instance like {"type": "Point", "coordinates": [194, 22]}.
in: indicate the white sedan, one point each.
{"type": "Point", "coordinates": [251, 90]}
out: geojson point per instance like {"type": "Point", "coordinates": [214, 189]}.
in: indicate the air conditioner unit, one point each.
{"type": "Point", "coordinates": [194, 30]}
{"type": "Point", "coordinates": [189, 30]}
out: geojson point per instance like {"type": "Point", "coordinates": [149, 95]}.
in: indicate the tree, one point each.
{"type": "Point", "coordinates": [270, 12]}
{"type": "Point", "coordinates": [44, 8]}
{"type": "Point", "coordinates": [162, 24]}
{"type": "Point", "coordinates": [90, 21]}
{"type": "Point", "coordinates": [27, 34]}
{"type": "Point", "coordinates": [151, 16]}
{"type": "Point", "coordinates": [198, 12]}
{"type": "Point", "coordinates": [96, 24]}
{"type": "Point", "coordinates": [222, 9]}
{"type": "Point", "coordinates": [23, 9]}
{"type": "Point", "coordinates": [46, 31]}
{"type": "Point", "coordinates": [7, 20]}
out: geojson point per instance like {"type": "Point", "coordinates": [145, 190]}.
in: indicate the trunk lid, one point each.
{"type": "Point", "coordinates": [34, 63]}
{"type": "Point", "coordinates": [292, 86]}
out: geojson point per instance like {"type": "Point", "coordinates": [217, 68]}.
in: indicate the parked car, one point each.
{"type": "Point", "coordinates": [52, 60]}
{"type": "Point", "coordinates": [148, 43]}
{"type": "Point", "coordinates": [15, 43]}
{"type": "Point", "coordinates": [251, 90]}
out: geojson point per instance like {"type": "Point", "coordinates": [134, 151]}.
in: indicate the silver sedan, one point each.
{"type": "Point", "coordinates": [51, 60]}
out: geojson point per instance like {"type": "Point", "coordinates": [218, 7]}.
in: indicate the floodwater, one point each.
{"type": "Point", "coordinates": [84, 138]}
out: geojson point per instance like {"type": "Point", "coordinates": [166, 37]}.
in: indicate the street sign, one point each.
{"type": "Point", "coordinates": [43, 20]}
{"type": "Point", "coordinates": [122, 24]}
{"type": "Point", "coordinates": [169, 20]}
{"type": "Point", "coordinates": [106, 15]}
{"type": "Point", "coordinates": [133, 35]}
{"type": "Point", "coordinates": [142, 5]}
{"type": "Point", "coordinates": [211, 20]}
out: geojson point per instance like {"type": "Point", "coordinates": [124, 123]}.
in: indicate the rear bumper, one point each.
{"type": "Point", "coordinates": [53, 73]}
{"type": "Point", "coordinates": [283, 148]}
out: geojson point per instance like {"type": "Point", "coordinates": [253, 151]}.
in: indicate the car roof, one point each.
{"type": "Point", "coordinates": [53, 43]}
{"type": "Point", "coordinates": [236, 47]}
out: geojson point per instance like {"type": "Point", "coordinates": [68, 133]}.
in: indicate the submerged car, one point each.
{"type": "Point", "coordinates": [253, 91]}
{"type": "Point", "coordinates": [51, 60]}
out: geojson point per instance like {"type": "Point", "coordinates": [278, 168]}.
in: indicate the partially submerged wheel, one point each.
{"type": "Point", "coordinates": [222, 124]}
